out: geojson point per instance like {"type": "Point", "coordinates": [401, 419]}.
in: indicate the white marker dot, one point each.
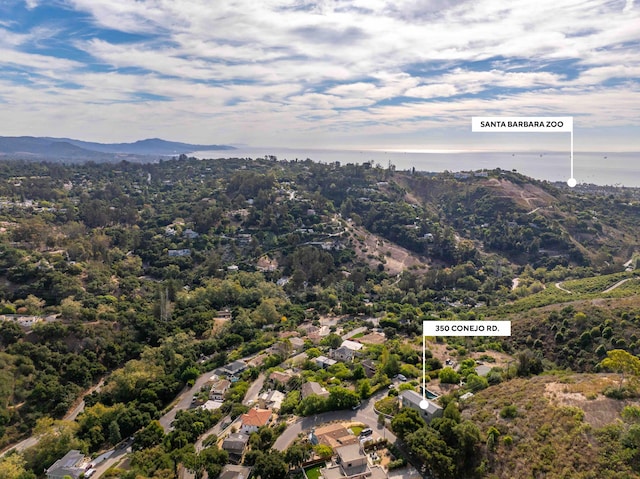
{"type": "Point", "coordinates": [572, 182]}
{"type": "Point", "coordinates": [424, 404]}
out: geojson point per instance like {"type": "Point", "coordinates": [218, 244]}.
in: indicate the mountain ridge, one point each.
{"type": "Point", "coordinates": [49, 148]}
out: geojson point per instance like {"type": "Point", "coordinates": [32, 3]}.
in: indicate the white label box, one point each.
{"type": "Point", "coordinates": [522, 124]}
{"type": "Point", "coordinates": [466, 328]}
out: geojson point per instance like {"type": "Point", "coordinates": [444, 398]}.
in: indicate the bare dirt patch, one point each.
{"type": "Point", "coordinates": [501, 360]}
{"type": "Point", "coordinates": [586, 394]}
{"type": "Point", "coordinates": [527, 196]}
{"type": "Point", "coordinates": [376, 250]}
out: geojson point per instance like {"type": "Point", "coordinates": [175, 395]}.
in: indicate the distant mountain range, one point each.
{"type": "Point", "coordinates": [67, 149]}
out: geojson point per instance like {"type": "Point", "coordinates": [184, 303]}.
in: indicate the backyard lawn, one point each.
{"type": "Point", "coordinates": [313, 472]}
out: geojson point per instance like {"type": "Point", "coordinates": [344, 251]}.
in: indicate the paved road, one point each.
{"type": "Point", "coordinates": [352, 333]}
{"type": "Point", "coordinates": [254, 390]}
{"type": "Point", "coordinates": [365, 415]}
{"type": "Point", "coordinates": [184, 400]}
{"type": "Point", "coordinates": [113, 460]}
{"type": "Point", "coordinates": [70, 416]}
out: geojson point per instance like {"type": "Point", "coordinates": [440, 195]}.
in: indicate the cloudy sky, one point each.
{"type": "Point", "coordinates": [331, 73]}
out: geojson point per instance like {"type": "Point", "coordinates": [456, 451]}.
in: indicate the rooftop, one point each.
{"type": "Point", "coordinates": [352, 345]}
{"type": "Point", "coordinates": [71, 464]}
{"type": "Point", "coordinates": [256, 417]}
{"type": "Point", "coordinates": [235, 440]}
{"type": "Point", "coordinates": [313, 388]}
{"type": "Point", "coordinates": [415, 399]}
{"type": "Point", "coordinates": [349, 453]}
{"type": "Point", "coordinates": [231, 471]}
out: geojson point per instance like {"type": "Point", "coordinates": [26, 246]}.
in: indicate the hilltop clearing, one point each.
{"type": "Point", "coordinates": [375, 250]}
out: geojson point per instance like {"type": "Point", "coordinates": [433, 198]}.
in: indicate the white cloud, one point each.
{"type": "Point", "coordinates": [275, 70]}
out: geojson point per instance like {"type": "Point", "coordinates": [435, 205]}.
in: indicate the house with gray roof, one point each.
{"type": "Point", "coordinates": [231, 471]}
{"type": "Point", "coordinates": [232, 369]}
{"type": "Point", "coordinates": [72, 464]}
{"type": "Point", "coordinates": [412, 399]}
{"type": "Point", "coordinates": [311, 387]}
{"type": "Point", "coordinates": [235, 445]}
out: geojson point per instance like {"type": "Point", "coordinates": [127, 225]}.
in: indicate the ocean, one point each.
{"type": "Point", "coordinates": [612, 169]}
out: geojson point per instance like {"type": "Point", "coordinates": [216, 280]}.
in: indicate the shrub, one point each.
{"type": "Point", "coordinates": [509, 412]}
{"type": "Point", "coordinates": [449, 376]}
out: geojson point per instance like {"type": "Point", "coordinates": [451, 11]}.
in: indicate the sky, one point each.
{"type": "Point", "coordinates": [378, 74]}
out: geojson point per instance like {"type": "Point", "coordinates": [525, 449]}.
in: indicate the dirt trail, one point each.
{"type": "Point", "coordinates": [559, 286]}
{"type": "Point", "coordinates": [619, 283]}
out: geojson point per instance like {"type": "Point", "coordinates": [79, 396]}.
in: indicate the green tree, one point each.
{"type": "Point", "coordinates": [148, 437]}
{"type": "Point", "coordinates": [114, 432]}
{"type": "Point", "coordinates": [392, 366]}
{"type": "Point", "coordinates": [297, 454]}
{"type": "Point", "coordinates": [622, 362]}
{"type": "Point", "coordinates": [434, 452]}
{"type": "Point", "coordinates": [406, 421]}
{"type": "Point", "coordinates": [56, 438]}
{"type": "Point", "coordinates": [449, 376]}
{"type": "Point", "coordinates": [271, 466]}
{"type": "Point", "coordinates": [341, 398]}
{"type": "Point", "coordinates": [332, 340]}
{"type": "Point", "coordinates": [212, 460]}
{"type": "Point", "coordinates": [324, 451]}
{"type": "Point", "coordinates": [12, 466]}
{"type": "Point", "coordinates": [364, 388]}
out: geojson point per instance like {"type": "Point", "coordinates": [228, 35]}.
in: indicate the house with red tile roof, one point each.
{"type": "Point", "coordinates": [254, 419]}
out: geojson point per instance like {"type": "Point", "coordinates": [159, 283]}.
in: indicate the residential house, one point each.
{"type": "Point", "coordinates": [190, 234]}
{"type": "Point", "coordinates": [352, 460]}
{"type": "Point", "coordinates": [179, 252]}
{"type": "Point", "coordinates": [482, 369]}
{"type": "Point", "coordinates": [27, 321]}
{"type": "Point", "coordinates": [211, 405]}
{"type": "Point", "coordinates": [232, 369]}
{"type": "Point", "coordinates": [311, 387]}
{"type": "Point", "coordinates": [231, 471]}
{"type": "Point", "coordinates": [308, 328]}
{"type": "Point", "coordinates": [352, 345]}
{"type": "Point", "coordinates": [334, 436]}
{"type": "Point", "coordinates": [342, 354]}
{"type": "Point", "coordinates": [254, 419]}
{"type": "Point", "coordinates": [258, 360]}
{"type": "Point", "coordinates": [72, 464]}
{"type": "Point", "coordinates": [271, 400]}
{"type": "Point", "coordinates": [297, 344]}
{"type": "Point", "coordinates": [412, 399]}
{"type": "Point", "coordinates": [218, 390]}
{"type": "Point", "coordinates": [324, 362]}
{"type": "Point", "coordinates": [352, 463]}
{"type": "Point", "coordinates": [369, 368]}
{"type": "Point", "coordinates": [243, 239]}
{"type": "Point", "coordinates": [235, 445]}
{"type": "Point", "coordinates": [280, 377]}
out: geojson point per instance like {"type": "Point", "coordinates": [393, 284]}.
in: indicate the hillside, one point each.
{"type": "Point", "coordinates": [77, 151]}
{"type": "Point", "coordinates": [555, 426]}
{"type": "Point", "coordinates": [150, 275]}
